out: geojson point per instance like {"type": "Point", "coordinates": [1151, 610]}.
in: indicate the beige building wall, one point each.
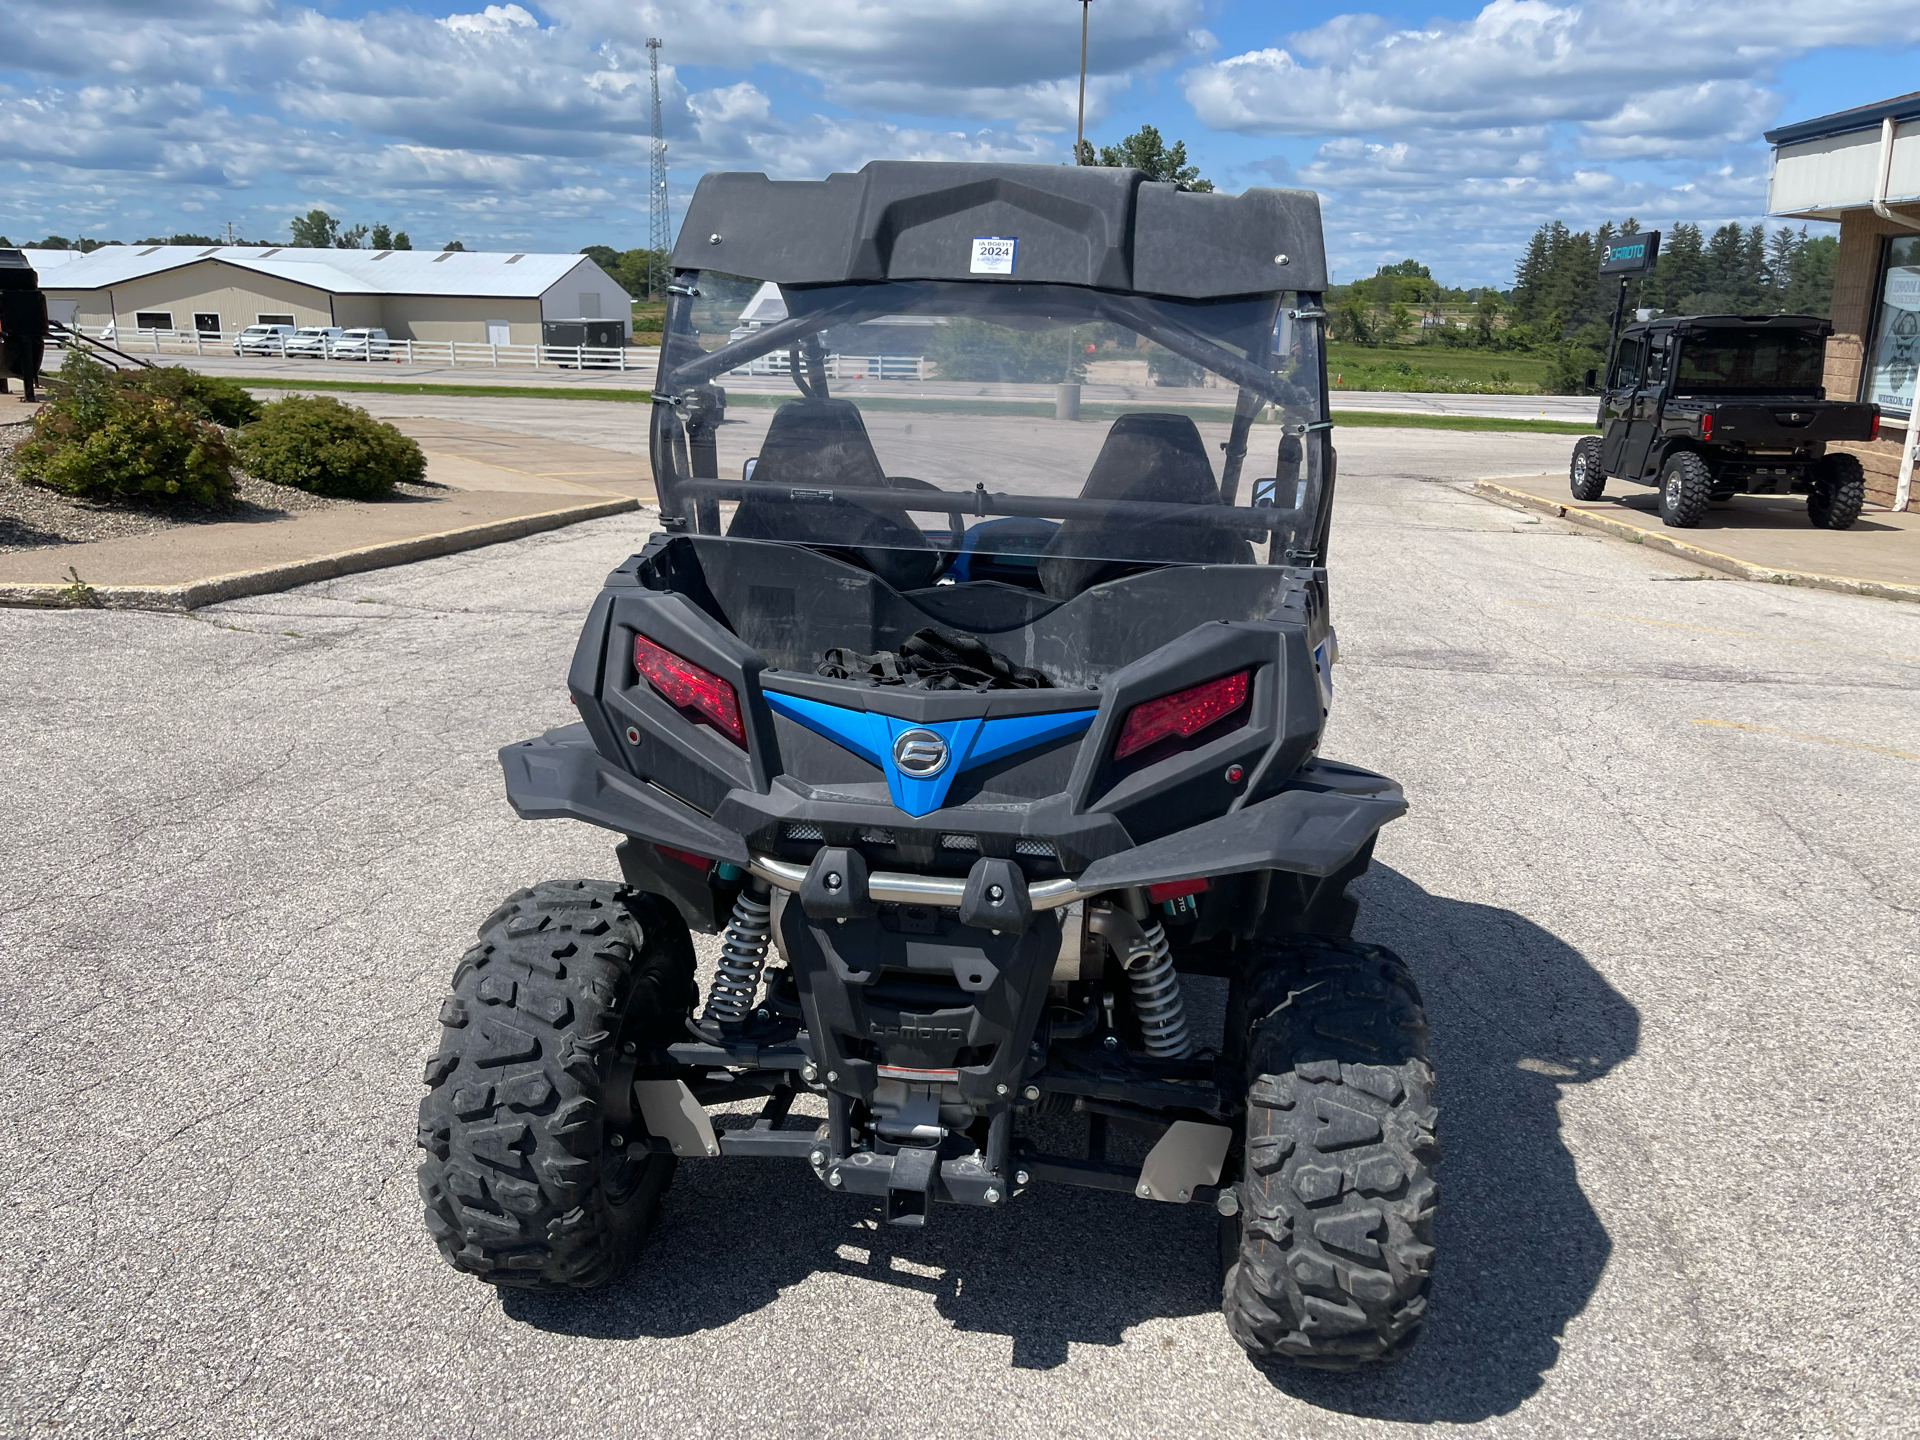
{"type": "Point", "coordinates": [457, 317]}
{"type": "Point", "coordinates": [1855, 279]}
{"type": "Point", "coordinates": [239, 297]}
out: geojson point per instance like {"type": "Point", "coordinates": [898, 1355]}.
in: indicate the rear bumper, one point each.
{"type": "Point", "coordinates": [1313, 829]}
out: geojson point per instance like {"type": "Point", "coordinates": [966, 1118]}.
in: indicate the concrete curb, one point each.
{"type": "Point", "coordinates": [1712, 559]}
{"type": "Point", "coordinates": [195, 593]}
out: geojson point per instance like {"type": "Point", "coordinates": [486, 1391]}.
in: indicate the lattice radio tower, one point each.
{"type": "Point", "coordinates": [657, 226]}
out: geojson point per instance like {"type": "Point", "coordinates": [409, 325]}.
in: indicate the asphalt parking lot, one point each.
{"type": "Point", "coordinates": [1658, 884]}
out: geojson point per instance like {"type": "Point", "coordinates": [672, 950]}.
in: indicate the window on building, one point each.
{"type": "Point", "coordinates": [589, 304]}
{"type": "Point", "coordinates": [273, 319]}
{"type": "Point", "coordinates": [153, 320]}
{"type": "Point", "coordinates": [206, 323]}
{"type": "Point", "coordinates": [1895, 352]}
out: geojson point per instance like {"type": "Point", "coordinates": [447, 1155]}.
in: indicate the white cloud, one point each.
{"type": "Point", "coordinates": [495, 19]}
{"type": "Point", "coordinates": [1461, 134]}
{"type": "Point", "coordinates": [1524, 61]}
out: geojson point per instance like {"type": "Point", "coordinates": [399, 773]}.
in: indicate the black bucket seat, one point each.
{"type": "Point", "coordinates": [1153, 458]}
{"type": "Point", "coordinates": [822, 446]}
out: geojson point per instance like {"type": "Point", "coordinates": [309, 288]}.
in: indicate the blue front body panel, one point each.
{"type": "Point", "coordinates": [970, 743]}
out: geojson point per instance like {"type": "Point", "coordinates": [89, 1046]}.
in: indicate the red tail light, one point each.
{"type": "Point", "coordinates": [1706, 427]}
{"type": "Point", "coordinates": [1874, 432]}
{"type": "Point", "coordinates": [1181, 714]}
{"type": "Point", "coordinates": [683, 683]}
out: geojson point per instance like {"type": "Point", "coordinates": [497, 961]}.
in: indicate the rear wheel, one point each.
{"type": "Point", "coordinates": [537, 1173]}
{"type": "Point", "coordinates": [1587, 480]}
{"type": "Point", "coordinates": [1686, 485]}
{"type": "Point", "coordinates": [1332, 1246]}
{"type": "Point", "coordinates": [1839, 491]}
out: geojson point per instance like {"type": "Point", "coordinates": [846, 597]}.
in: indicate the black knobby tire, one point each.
{"type": "Point", "coordinates": [1585, 477]}
{"type": "Point", "coordinates": [524, 1182]}
{"type": "Point", "coordinates": [1686, 485]}
{"type": "Point", "coordinates": [1839, 491]}
{"type": "Point", "coordinates": [1334, 1244]}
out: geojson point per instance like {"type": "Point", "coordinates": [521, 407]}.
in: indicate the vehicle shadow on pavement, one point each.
{"type": "Point", "coordinates": [1058, 1268]}
{"type": "Point", "coordinates": [1516, 1014]}
{"type": "Point", "coordinates": [1520, 1248]}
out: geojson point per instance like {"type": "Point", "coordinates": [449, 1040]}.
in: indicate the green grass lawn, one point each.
{"type": "Point", "coordinates": [1377, 367]}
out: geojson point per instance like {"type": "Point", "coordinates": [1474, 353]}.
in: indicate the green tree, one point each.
{"type": "Point", "coordinates": [1145, 150]}
{"type": "Point", "coordinates": [629, 268]}
{"type": "Point", "coordinates": [453, 245]}
{"type": "Point", "coordinates": [351, 239]}
{"type": "Point", "coordinates": [401, 240]}
{"type": "Point", "coordinates": [381, 237]}
{"type": "Point", "coordinates": [316, 230]}
{"type": "Point", "coordinates": [1810, 290]}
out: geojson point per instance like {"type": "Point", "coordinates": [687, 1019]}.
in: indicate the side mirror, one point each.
{"type": "Point", "coordinates": [1593, 379]}
{"type": "Point", "coordinates": [746, 471]}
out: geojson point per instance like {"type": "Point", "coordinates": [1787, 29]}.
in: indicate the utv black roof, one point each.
{"type": "Point", "coordinates": [1687, 324]}
{"type": "Point", "coordinates": [1104, 227]}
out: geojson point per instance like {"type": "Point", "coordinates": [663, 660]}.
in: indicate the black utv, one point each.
{"type": "Point", "coordinates": [988, 743]}
{"type": "Point", "coordinates": [1707, 407]}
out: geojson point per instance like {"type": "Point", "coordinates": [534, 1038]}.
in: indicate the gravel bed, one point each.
{"type": "Point", "coordinates": [33, 517]}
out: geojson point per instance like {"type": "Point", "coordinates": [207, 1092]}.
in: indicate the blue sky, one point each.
{"type": "Point", "coordinates": [1444, 131]}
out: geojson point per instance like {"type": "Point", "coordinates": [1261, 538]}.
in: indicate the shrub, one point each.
{"type": "Point", "coordinates": [318, 444]}
{"type": "Point", "coordinates": [118, 444]}
{"type": "Point", "coordinates": [224, 402]}
{"type": "Point", "coordinates": [1166, 368]}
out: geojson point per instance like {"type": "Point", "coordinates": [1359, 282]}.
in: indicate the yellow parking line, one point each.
{"type": "Point", "coordinates": [1710, 630]}
{"type": "Point", "coordinates": [1817, 739]}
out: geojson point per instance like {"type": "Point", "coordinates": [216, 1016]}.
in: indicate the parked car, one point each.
{"type": "Point", "coordinates": [314, 340]}
{"type": "Point", "coordinates": [362, 344]}
{"type": "Point", "coordinates": [263, 340]}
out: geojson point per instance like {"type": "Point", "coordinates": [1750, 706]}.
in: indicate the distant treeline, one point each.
{"type": "Point", "coordinates": [1736, 271]}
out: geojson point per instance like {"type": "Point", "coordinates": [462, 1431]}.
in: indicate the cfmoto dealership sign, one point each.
{"type": "Point", "coordinates": [1630, 254]}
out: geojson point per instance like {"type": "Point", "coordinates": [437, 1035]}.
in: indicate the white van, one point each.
{"type": "Point", "coordinates": [263, 340]}
{"type": "Point", "coordinates": [362, 344]}
{"type": "Point", "coordinates": [314, 341]}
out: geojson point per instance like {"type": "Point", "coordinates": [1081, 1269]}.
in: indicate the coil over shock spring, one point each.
{"type": "Point", "coordinates": [1156, 995]}
{"type": "Point", "coordinates": [1144, 954]}
{"type": "Point", "coordinates": [743, 955]}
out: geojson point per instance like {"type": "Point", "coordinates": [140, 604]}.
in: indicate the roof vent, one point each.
{"type": "Point", "coordinates": [151, 248]}
{"type": "Point", "coordinates": [214, 251]}
{"type": "Point", "coordinates": [274, 251]}
{"type": "Point", "coordinates": [444, 255]}
{"type": "Point", "coordinates": [383, 255]}
{"type": "Point", "coordinates": [512, 258]}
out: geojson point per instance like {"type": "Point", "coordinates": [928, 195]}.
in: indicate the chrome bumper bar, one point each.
{"type": "Point", "coordinates": [891, 887]}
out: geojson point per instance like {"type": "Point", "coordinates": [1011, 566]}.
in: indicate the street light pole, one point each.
{"type": "Point", "coordinates": [1080, 125]}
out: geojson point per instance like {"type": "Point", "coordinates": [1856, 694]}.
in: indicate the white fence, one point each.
{"type": "Point", "coordinates": [845, 367]}
{"type": "Point", "coordinates": [627, 359]}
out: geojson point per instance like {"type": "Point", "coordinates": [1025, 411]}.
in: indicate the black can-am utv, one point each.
{"type": "Point", "coordinates": [1707, 407]}
{"type": "Point", "coordinates": [995, 733]}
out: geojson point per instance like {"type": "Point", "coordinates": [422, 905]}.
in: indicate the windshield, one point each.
{"type": "Point", "coordinates": [1044, 436]}
{"type": "Point", "coordinates": [1757, 361]}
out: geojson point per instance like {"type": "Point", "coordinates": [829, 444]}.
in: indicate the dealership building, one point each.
{"type": "Point", "coordinates": [483, 297]}
{"type": "Point", "coordinates": [1861, 168]}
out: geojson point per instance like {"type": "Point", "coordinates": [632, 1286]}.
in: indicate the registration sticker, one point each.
{"type": "Point", "coordinates": [993, 254]}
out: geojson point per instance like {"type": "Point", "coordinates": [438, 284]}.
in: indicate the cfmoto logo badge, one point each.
{"type": "Point", "coordinates": [920, 754]}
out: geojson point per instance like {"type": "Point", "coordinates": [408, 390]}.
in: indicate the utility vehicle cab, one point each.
{"type": "Point", "coordinates": [1710, 406]}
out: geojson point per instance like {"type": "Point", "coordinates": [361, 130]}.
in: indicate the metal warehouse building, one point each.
{"type": "Point", "coordinates": [471, 296]}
